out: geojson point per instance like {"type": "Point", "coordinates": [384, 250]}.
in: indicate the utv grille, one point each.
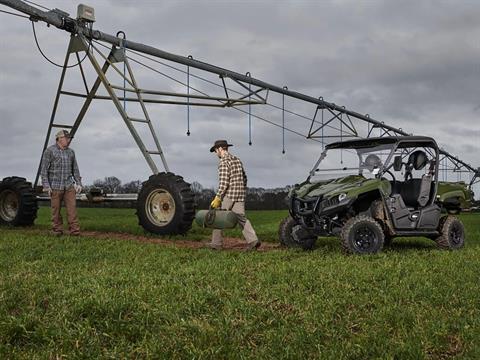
{"type": "Point", "coordinates": [330, 202]}
{"type": "Point", "coordinates": [304, 206]}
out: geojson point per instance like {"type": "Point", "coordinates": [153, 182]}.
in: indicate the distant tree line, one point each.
{"type": "Point", "coordinates": [113, 185]}
{"type": "Point", "coordinates": [257, 198]}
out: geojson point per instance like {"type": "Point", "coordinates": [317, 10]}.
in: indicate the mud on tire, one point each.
{"type": "Point", "coordinates": [18, 202]}
{"type": "Point", "coordinates": [452, 233]}
{"type": "Point", "coordinates": [362, 235]}
{"type": "Point", "coordinates": [291, 234]}
{"type": "Point", "coordinates": [166, 205]}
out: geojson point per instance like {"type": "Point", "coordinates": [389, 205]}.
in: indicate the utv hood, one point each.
{"type": "Point", "coordinates": [331, 187]}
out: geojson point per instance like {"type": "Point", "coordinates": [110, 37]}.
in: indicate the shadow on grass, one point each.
{"type": "Point", "coordinates": [399, 245]}
{"type": "Point", "coordinates": [402, 244]}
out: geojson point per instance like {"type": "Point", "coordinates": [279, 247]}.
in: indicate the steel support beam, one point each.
{"type": "Point", "coordinates": [62, 21]}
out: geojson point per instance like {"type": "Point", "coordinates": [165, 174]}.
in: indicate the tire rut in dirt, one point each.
{"type": "Point", "coordinates": [18, 202]}
{"type": "Point", "coordinates": [166, 205]}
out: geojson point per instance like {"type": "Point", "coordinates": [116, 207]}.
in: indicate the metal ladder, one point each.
{"type": "Point", "coordinates": [77, 44]}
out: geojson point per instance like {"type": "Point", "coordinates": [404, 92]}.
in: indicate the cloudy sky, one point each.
{"type": "Point", "coordinates": [411, 64]}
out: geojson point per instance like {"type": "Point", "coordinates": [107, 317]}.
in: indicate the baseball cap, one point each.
{"type": "Point", "coordinates": [62, 133]}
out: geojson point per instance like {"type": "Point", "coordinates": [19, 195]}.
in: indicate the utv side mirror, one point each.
{"type": "Point", "coordinates": [397, 163]}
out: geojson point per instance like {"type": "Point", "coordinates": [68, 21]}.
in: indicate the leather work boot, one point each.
{"type": "Point", "coordinates": [213, 246]}
{"type": "Point", "coordinates": [253, 246]}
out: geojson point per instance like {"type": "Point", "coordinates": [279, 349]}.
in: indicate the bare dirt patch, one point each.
{"type": "Point", "coordinates": [231, 244]}
{"type": "Point", "coordinates": [228, 243]}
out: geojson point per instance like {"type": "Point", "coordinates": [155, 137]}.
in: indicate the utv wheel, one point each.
{"type": "Point", "coordinates": [304, 238]}
{"type": "Point", "coordinates": [362, 235]}
{"type": "Point", "coordinates": [166, 205]}
{"type": "Point", "coordinates": [18, 202]}
{"type": "Point", "coordinates": [291, 234]}
{"type": "Point", "coordinates": [285, 232]}
{"type": "Point", "coordinates": [452, 233]}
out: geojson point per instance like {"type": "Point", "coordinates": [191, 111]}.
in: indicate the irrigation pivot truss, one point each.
{"type": "Point", "coordinates": [226, 89]}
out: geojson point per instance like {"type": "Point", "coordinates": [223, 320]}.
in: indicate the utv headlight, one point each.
{"type": "Point", "coordinates": [342, 197]}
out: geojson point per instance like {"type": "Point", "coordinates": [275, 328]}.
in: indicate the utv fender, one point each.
{"type": "Point", "coordinates": [364, 201]}
{"type": "Point", "coordinates": [456, 194]}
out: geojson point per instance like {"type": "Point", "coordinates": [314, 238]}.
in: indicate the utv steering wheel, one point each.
{"type": "Point", "coordinates": [393, 177]}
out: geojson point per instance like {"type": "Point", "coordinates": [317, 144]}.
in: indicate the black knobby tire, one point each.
{"type": "Point", "coordinates": [166, 205]}
{"type": "Point", "coordinates": [362, 235]}
{"type": "Point", "coordinates": [18, 202]}
{"type": "Point", "coordinates": [285, 232]}
{"type": "Point", "coordinates": [291, 234]}
{"type": "Point", "coordinates": [452, 233]}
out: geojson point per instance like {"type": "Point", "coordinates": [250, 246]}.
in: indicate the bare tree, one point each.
{"type": "Point", "coordinates": [132, 187]}
{"type": "Point", "coordinates": [109, 185]}
{"type": "Point", "coordinates": [196, 187]}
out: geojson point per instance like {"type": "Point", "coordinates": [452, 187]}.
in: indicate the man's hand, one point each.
{"type": "Point", "coordinates": [216, 203]}
{"type": "Point", "coordinates": [48, 191]}
{"type": "Point", "coordinates": [78, 188]}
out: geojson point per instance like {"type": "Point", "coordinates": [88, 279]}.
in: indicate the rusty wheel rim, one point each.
{"type": "Point", "coordinates": [8, 205]}
{"type": "Point", "coordinates": [160, 207]}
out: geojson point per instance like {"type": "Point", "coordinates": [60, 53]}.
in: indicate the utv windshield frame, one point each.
{"type": "Point", "coordinates": [397, 142]}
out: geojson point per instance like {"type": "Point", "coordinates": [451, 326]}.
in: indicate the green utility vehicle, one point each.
{"type": "Point", "coordinates": [392, 189]}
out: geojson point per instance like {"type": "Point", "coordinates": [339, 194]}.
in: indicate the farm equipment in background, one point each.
{"type": "Point", "coordinates": [166, 204]}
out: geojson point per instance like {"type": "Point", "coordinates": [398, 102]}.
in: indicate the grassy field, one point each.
{"type": "Point", "coordinates": [89, 298]}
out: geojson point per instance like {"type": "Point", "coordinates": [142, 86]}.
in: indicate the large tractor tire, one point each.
{"type": "Point", "coordinates": [291, 234]}
{"type": "Point", "coordinates": [166, 205]}
{"type": "Point", "coordinates": [452, 233]}
{"type": "Point", "coordinates": [18, 202]}
{"type": "Point", "coordinates": [362, 235]}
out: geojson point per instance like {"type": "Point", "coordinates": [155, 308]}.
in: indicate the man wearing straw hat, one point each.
{"type": "Point", "coordinates": [231, 192]}
{"type": "Point", "coordinates": [61, 180]}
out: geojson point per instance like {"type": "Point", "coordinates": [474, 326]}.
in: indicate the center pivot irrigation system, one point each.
{"type": "Point", "coordinates": [166, 204]}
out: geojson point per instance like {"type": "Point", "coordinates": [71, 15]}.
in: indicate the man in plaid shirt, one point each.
{"type": "Point", "coordinates": [61, 180]}
{"type": "Point", "coordinates": [231, 194]}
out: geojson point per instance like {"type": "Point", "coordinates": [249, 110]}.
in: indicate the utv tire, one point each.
{"type": "Point", "coordinates": [18, 202]}
{"type": "Point", "coordinates": [291, 234]}
{"type": "Point", "coordinates": [166, 205]}
{"type": "Point", "coordinates": [452, 233]}
{"type": "Point", "coordinates": [304, 238]}
{"type": "Point", "coordinates": [362, 235]}
{"type": "Point", "coordinates": [285, 232]}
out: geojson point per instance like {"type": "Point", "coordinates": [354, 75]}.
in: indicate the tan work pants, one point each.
{"type": "Point", "coordinates": [69, 198]}
{"type": "Point", "coordinates": [238, 207]}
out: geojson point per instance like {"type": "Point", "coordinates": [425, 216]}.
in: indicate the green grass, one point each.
{"type": "Point", "coordinates": [89, 298]}
{"type": "Point", "coordinates": [125, 220]}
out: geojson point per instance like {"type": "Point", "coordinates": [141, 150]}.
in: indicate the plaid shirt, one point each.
{"type": "Point", "coordinates": [232, 179]}
{"type": "Point", "coordinates": [59, 168]}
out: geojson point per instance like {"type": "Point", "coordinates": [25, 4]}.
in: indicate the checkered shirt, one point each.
{"type": "Point", "coordinates": [59, 168]}
{"type": "Point", "coordinates": [232, 179]}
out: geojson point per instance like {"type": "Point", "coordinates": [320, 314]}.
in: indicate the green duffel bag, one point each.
{"type": "Point", "coordinates": [216, 219]}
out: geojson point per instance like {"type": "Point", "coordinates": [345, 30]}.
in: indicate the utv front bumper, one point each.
{"type": "Point", "coordinates": [312, 213]}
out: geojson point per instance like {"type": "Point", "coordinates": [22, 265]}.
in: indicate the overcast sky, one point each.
{"type": "Point", "coordinates": [411, 64]}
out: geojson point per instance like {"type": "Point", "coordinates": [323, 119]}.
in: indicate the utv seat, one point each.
{"type": "Point", "coordinates": [414, 192]}
{"type": "Point", "coordinates": [410, 192]}
{"type": "Point", "coordinates": [417, 192]}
